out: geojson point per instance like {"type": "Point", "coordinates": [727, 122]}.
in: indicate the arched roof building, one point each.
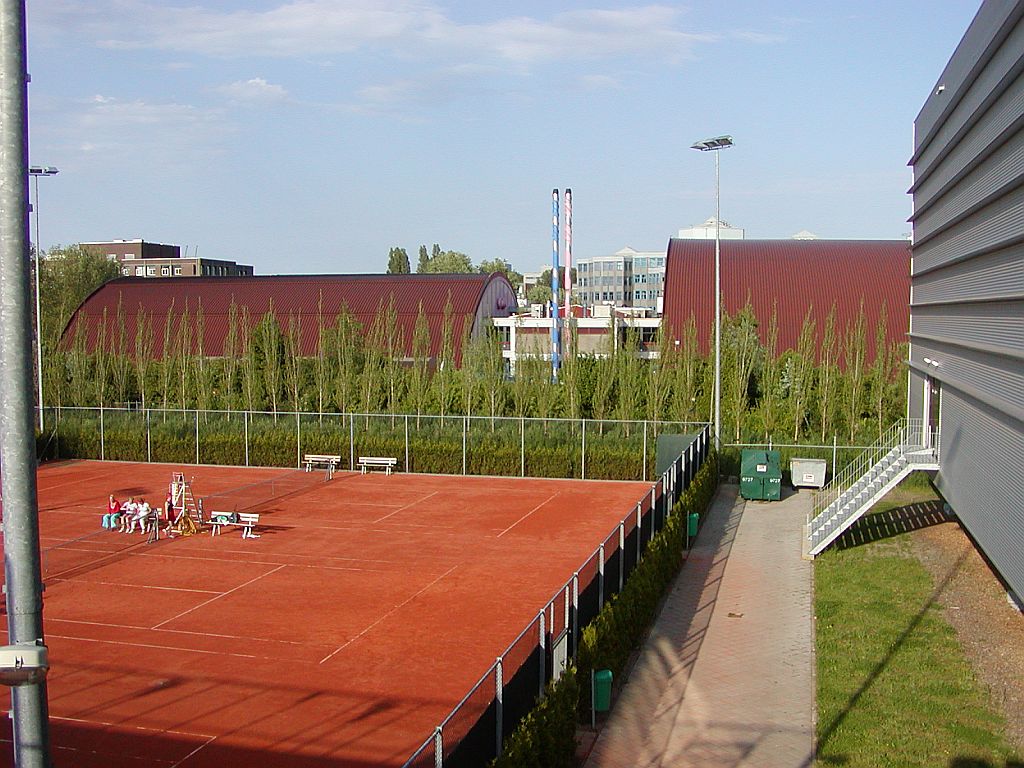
{"type": "Point", "coordinates": [305, 298]}
{"type": "Point", "coordinates": [791, 276]}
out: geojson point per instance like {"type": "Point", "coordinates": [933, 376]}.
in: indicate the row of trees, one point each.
{"type": "Point", "coordinates": [439, 261]}
{"type": "Point", "coordinates": [825, 386]}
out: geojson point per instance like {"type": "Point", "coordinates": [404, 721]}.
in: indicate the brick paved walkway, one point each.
{"type": "Point", "coordinates": [726, 677]}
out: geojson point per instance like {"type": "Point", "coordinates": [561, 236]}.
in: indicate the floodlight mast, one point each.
{"type": "Point", "coordinates": [35, 171]}
{"type": "Point", "coordinates": [715, 145]}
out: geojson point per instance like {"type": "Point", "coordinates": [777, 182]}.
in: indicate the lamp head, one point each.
{"type": "Point", "coordinates": [718, 142]}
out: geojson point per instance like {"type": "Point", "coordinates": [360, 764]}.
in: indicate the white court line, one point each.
{"type": "Point", "coordinates": [190, 754]}
{"type": "Point", "coordinates": [277, 562]}
{"type": "Point", "coordinates": [174, 631]}
{"type": "Point", "coordinates": [517, 522]}
{"type": "Point", "coordinates": [218, 597]}
{"type": "Point", "coordinates": [133, 727]}
{"type": "Point", "coordinates": [410, 504]}
{"type": "Point", "coordinates": [152, 586]}
{"type": "Point", "coordinates": [393, 610]}
{"type": "Point", "coordinates": [159, 647]}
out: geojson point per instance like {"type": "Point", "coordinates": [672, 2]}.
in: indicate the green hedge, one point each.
{"type": "Point", "coordinates": [546, 736]}
{"type": "Point", "coordinates": [492, 448]}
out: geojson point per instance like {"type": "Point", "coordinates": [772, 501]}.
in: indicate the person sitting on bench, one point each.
{"type": "Point", "coordinates": [128, 511]}
{"type": "Point", "coordinates": [141, 516]}
{"type": "Point", "coordinates": [112, 518]}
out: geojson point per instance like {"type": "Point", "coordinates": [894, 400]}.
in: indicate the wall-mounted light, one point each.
{"type": "Point", "coordinates": [933, 363]}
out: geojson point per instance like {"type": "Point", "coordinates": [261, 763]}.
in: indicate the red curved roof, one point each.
{"type": "Point", "coordinates": [296, 296]}
{"type": "Point", "coordinates": [794, 275]}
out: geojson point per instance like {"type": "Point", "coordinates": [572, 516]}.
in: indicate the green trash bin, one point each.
{"type": "Point", "coordinates": [760, 475]}
{"type": "Point", "coordinates": [602, 690]}
{"type": "Point", "coordinates": [692, 521]}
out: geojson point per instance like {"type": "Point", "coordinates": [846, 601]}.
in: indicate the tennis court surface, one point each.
{"type": "Point", "coordinates": [366, 610]}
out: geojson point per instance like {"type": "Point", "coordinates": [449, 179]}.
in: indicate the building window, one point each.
{"type": "Point", "coordinates": [165, 271]}
{"type": "Point", "coordinates": [126, 271]}
{"type": "Point", "coordinates": [140, 271]}
{"type": "Point", "coordinates": [150, 271]}
{"type": "Point", "coordinates": [177, 270]}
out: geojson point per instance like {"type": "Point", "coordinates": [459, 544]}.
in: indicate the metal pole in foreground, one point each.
{"type": "Point", "coordinates": [17, 424]}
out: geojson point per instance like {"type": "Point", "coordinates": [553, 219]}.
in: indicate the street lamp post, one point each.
{"type": "Point", "coordinates": [715, 145]}
{"type": "Point", "coordinates": [35, 171]}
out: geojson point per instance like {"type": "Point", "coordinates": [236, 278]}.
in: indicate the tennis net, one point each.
{"type": "Point", "coordinates": [255, 497]}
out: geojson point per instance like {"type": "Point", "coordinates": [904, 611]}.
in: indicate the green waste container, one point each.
{"type": "Point", "coordinates": [692, 521]}
{"type": "Point", "coordinates": [760, 475]}
{"type": "Point", "coordinates": [602, 690]}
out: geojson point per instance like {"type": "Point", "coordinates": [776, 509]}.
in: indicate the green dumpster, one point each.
{"type": "Point", "coordinates": [692, 521]}
{"type": "Point", "coordinates": [760, 475]}
{"type": "Point", "coordinates": [602, 690]}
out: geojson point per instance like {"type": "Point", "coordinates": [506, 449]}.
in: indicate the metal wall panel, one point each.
{"type": "Point", "coordinates": [996, 275]}
{"type": "Point", "coordinates": [982, 460]}
{"type": "Point", "coordinates": [993, 227]}
{"type": "Point", "coordinates": [999, 323]}
{"type": "Point", "coordinates": [994, 379]}
{"type": "Point", "coordinates": [973, 100]}
{"type": "Point", "coordinates": [984, 182]}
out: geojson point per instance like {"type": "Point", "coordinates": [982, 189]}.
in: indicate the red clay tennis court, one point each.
{"type": "Point", "coordinates": [342, 636]}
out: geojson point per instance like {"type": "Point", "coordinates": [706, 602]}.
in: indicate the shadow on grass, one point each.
{"type": "Point", "coordinates": [893, 522]}
{"type": "Point", "coordinates": [880, 667]}
{"type": "Point", "coordinates": [973, 762]}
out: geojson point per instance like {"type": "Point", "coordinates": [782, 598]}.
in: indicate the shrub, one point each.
{"type": "Point", "coordinates": [546, 737]}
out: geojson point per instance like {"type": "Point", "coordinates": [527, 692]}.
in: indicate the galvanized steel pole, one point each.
{"type": "Point", "coordinates": [17, 423]}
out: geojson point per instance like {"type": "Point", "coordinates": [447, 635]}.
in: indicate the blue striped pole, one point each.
{"type": "Point", "coordinates": [555, 343]}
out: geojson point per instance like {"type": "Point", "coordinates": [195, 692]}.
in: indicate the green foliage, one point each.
{"type": "Point", "coordinates": [546, 736]}
{"type": "Point", "coordinates": [398, 262]}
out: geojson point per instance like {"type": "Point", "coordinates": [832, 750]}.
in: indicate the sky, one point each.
{"type": "Point", "coordinates": [311, 136]}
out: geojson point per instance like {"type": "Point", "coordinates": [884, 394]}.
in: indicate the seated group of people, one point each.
{"type": "Point", "coordinates": [135, 512]}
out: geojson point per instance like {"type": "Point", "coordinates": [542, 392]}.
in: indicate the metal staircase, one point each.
{"type": "Point", "coordinates": [906, 447]}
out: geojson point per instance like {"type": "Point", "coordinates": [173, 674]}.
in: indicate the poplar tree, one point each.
{"type": "Point", "coordinates": [797, 377]}
{"type": "Point", "coordinates": [346, 360]}
{"type": "Point", "coordinates": [322, 367]}
{"type": "Point", "coordinates": [771, 378]}
{"type": "Point", "coordinates": [233, 345]}
{"type": "Point", "coordinates": [445, 374]}
{"type": "Point", "coordinates": [268, 336]}
{"type": "Point", "coordinates": [854, 353]}
{"type": "Point", "coordinates": [419, 380]}
{"type": "Point", "coordinates": [121, 364]}
{"type": "Point", "coordinates": [292, 359]}
{"type": "Point", "coordinates": [249, 359]}
{"type": "Point", "coordinates": [143, 351]}
{"type": "Point", "coordinates": [688, 372]}
{"type": "Point", "coordinates": [740, 350]}
{"type": "Point", "coordinates": [167, 356]}
{"type": "Point", "coordinates": [828, 375]}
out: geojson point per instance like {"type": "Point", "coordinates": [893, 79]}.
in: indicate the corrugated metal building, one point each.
{"type": "Point", "coordinates": [967, 302]}
{"type": "Point", "coordinates": [474, 298]}
{"type": "Point", "coordinates": [792, 276]}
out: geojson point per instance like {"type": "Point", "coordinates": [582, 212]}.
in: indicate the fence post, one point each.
{"type": "Point", "coordinates": [298, 440]}
{"type": "Point", "coordinates": [600, 577]}
{"type": "Point", "coordinates": [542, 645]}
{"type": "Point", "coordinates": [522, 447]}
{"type": "Point", "coordinates": [197, 435]}
{"type": "Point", "coordinates": [575, 612]}
{"type": "Point", "coordinates": [245, 432]}
{"type": "Point", "coordinates": [499, 707]}
{"type": "Point", "coordinates": [149, 440]}
{"type": "Point", "coordinates": [835, 438]}
{"type": "Point", "coordinates": [351, 443]}
{"type": "Point", "coordinates": [407, 442]}
{"type": "Point", "coordinates": [438, 748]}
{"type": "Point", "coordinates": [583, 451]}
{"type": "Point", "coordinates": [639, 532]}
{"type": "Point", "coordinates": [465, 429]}
{"type": "Point", "coordinates": [645, 450]}
{"type": "Point", "coordinates": [102, 437]}
{"type": "Point", "coordinates": [622, 554]}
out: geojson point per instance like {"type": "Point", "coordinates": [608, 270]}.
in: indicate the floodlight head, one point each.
{"type": "Point", "coordinates": [42, 170]}
{"type": "Point", "coordinates": [23, 664]}
{"type": "Point", "coordinates": [719, 142]}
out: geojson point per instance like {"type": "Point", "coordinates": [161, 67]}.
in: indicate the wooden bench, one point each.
{"type": "Point", "coordinates": [380, 462]}
{"type": "Point", "coordinates": [329, 461]}
{"type": "Point", "coordinates": [245, 520]}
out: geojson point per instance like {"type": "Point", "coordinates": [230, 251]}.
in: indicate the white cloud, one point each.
{"type": "Point", "coordinates": [255, 91]}
{"type": "Point", "coordinates": [600, 82]}
{"type": "Point", "coordinates": [304, 28]}
{"type": "Point", "coordinates": [167, 133]}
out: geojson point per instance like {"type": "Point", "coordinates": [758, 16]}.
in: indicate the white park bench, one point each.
{"type": "Point", "coordinates": [247, 521]}
{"type": "Point", "coordinates": [377, 462]}
{"type": "Point", "coordinates": [327, 460]}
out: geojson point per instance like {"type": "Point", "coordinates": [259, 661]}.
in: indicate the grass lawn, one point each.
{"type": "Point", "coordinates": [894, 688]}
